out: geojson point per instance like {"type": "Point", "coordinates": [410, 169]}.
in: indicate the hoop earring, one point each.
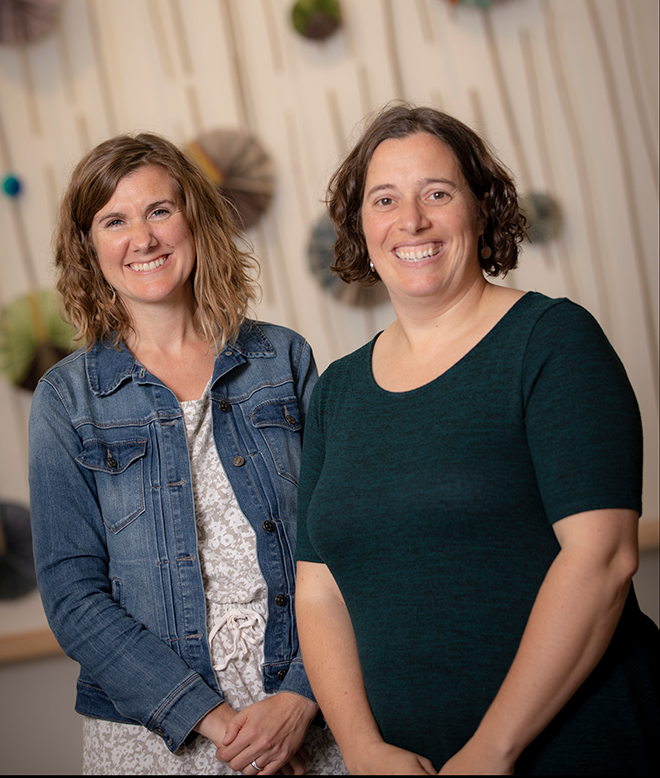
{"type": "Point", "coordinates": [486, 251]}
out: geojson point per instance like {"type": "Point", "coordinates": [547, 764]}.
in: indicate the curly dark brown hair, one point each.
{"type": "Point", "coordinates": [223, 277]}
{"type": "Point", "coordinates": [490, 182]}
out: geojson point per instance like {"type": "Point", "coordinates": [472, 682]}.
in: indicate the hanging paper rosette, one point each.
{"type": "Point", "coordinates": [25, 21]}
{"type": "Point", "coordinates": [316, 19]}
{"type": "Point", "coordinates": [543, 216]}
{"type": "Point", "coordinates": [17, 576]}
{"type": "Point", "coordinates": [320, 256]}
{"type": "Point", "coordinates": [240, 168]}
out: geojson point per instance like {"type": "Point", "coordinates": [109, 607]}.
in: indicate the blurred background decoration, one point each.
{"type": "Point", "coordinates": [26, 21]}
{"type": "Point", "coordinates": [240, 168]}
{"type": "Point", "coordinates": [565, 91]}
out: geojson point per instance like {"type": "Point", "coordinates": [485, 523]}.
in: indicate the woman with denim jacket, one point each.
{"type": "Point", "coordinates": [163, 473]}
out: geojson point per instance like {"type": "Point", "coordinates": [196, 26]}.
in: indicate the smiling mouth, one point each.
{"type": "Point", "coordinates": [141, 267]}
{"type": "Point", "coordinates": [418, 253]}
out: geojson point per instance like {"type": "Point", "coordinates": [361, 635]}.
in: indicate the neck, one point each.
{"type": "Point", "coordinates": [419, 322]}
{"type": "Point", "coordinates": [165, 330]}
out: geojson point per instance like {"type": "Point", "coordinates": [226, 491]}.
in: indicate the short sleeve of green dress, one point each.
{"type": "Point", "coordinates": [434, 509]}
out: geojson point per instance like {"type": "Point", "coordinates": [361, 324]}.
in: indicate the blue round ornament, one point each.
{"type": "Point", "coordinates": [11, 186]}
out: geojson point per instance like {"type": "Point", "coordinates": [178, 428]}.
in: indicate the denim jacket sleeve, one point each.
{"type": "Point", "coordinates": [147, 681]}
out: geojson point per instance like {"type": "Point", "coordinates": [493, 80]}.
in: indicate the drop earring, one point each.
{"type": "Point", "coordinates": [486, 251]}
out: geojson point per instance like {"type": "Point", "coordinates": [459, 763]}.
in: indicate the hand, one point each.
{"type": "Point", "coordinates": [383, 759]}
{"type": "Point", "coordinates": [270, 733]}
{"type": "Point", "coordinates": [474, 759]}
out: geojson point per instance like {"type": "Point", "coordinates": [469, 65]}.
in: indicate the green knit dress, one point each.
{"type": "Point", "coordinates": [433, 509]}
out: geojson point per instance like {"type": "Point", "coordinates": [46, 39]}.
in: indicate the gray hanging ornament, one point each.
{"type": "Point", "coordinates": [25, 21]}
{"type": "Point", "coordinates": [543, 215]}
{"type": "Point", "coordinates": [320, 257]}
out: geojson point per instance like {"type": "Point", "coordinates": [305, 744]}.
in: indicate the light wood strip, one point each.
{"type": "Point", "coordinates": [425, 21]}
{"type": "Point", "coordinates": [635, 81]}
{"type": "Point", "coordinates": [28, 645]}
{"type": "Point", "coordinates": [154, 8]}
{"type": "Point", "coordinates": [181, 37]}
{"type": "Point", "coordinates": [28, 89]}
{"type": "Point", "coordinates": [579, 159]}
{"type": "Point", "coordinates": [390, 35]}
{"type": "Point", "coordinates": [273, 36]}
{"type": "Point", "coordinates": [240, 86]}
{"type": "Point", "coordinates": [630, 198]}
{"type": "Point", "coordinates": [102, 70]}
{"type": "Point", "coordinates": [649, 535]}
{"type": "Point", "coordinates": [543, 146]}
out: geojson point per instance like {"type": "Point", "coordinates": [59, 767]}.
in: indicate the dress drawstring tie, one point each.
{"type": "Point", "coordinates": [238, 620]}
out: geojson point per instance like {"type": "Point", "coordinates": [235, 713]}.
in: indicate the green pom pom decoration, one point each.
{"type": "Point", "coordinates": [316, 19]}
{"type": "Point", "coordinates": [33, 337]}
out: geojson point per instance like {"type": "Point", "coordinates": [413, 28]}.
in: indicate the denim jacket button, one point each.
{"type": "Point", "coordinates": [269, 526]}
{"type": "Point", "coordinates": [281, 600]}
{"type": "Point", "coordinates": [238, 461]}
{"type": "Point", "coordinates": [225, 407]}
{"type": "Point", "coordinates": [289, 418]}
{"type": "Point", "coordinates": [158, 731]}
{"type": "Point", "coordinates": [111, 462]}
{"type": "Point", "coordinates": [281, 674]}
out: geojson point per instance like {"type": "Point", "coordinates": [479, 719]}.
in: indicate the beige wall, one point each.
{"type": "Point", "coordinates": [566, 90]}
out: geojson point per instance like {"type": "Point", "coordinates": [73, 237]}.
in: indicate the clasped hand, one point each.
{"type": "Point", "coordinates": [269, 733]}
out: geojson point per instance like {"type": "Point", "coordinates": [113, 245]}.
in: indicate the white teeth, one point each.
{"type": "Point", "coordinates": [414, 255]}
{"type": "Point", "coordinates": [148, 265]}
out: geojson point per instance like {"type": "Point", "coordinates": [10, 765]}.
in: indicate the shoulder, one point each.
{"type": "Point", "coordinates": [68, 372]}
{"type": "Point", "coordinates": [562, 325]}
{"type": "Point", "coordinates": [349, 371]}
{"type": "Point", "coordinates": [260, 337]}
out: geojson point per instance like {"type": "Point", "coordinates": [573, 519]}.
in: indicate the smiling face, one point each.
{"type": "Point", "coordinates": [420, 220]}
{"type": "Point", "coordinates": [144, 246]}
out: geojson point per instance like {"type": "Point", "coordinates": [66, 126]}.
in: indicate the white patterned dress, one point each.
{"type": "Point", "coordinates": [236, 616]}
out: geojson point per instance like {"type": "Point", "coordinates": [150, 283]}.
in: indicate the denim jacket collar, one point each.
{"type": "Point", "coordinates": [106, 374]}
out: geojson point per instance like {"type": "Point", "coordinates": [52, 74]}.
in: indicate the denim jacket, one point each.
{"type": "Point", "coordinates": [115, 540]}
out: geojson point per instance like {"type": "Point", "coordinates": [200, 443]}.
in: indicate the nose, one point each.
{"type": "Point", "coordinates": [142, 236]}
{"type": "Point", "coordinates": [413, 217]}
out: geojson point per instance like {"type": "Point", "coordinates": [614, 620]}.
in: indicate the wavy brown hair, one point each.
{"type": "Point", "coordinates": [490, 182]}
{"type": "Point", "coordinates": [223, 277]}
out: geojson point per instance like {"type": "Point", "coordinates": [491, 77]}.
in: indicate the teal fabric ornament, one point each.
{"type": "Point", "coordinates": [11, 185]}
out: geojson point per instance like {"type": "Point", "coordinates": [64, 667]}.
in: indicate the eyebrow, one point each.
{"type": "Point", "coordinates": [423, 182]}
{"type": "Point", "coordinates": [150, 207]}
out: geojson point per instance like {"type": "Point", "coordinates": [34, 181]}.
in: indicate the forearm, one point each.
{"type": "Point", "coordinates": [331, 659]}
{"type": "Point", "coordinates": [570, 626]}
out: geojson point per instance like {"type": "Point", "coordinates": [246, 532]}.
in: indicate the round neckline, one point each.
{"type": "Point", "coordinates": [408, 392]}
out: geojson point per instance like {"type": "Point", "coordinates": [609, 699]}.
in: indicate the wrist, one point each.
{"type": "Point", "coordinates": [214, 724]}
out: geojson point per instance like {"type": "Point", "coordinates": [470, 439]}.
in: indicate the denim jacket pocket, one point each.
{"type": "Point", "coordinates": [117, 468]}
{"type": "Point", "coordinates": [279, 423]}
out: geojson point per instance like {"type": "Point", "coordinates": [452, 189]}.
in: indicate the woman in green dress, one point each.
{"type": "Point", "coordinates": [470, 492]}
